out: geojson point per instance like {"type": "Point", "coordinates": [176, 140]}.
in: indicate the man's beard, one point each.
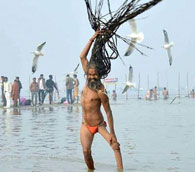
{"type": "Point", "coordinates": [94, 83]}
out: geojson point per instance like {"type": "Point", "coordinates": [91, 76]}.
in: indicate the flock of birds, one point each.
{"type": "Point", "coordinates": [135, 37]}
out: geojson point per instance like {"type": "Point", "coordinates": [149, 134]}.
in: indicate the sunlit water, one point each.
{"type": "Point", "coordinates": [155, 136]}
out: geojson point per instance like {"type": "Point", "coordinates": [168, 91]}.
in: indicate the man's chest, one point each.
{"type": "Point", "coordinates": [89, 96]}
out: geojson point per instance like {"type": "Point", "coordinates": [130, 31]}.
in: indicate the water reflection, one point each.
{"type": "Point", "coordinates": [6, 111]}
{"type": "Point", "coordinates": [69, 108]}
{"type": "Point", "coordinates": [41, 109]}
{"type": "Point", "coordinates": [51, 109]}
{"type": "Point", "coordinates": [76, 108]}
{"type": "Point", "coordinates": [16, 111]}
{"type": "Point", "coordinates": [73, 108]}
{"type": "Point", "coordinates": [51, 137]}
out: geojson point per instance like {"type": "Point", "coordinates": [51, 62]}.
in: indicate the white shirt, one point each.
{"type": "Point", "coordinates": [41, 84]}
{"type": "Point", "coordinates": [7, 86]}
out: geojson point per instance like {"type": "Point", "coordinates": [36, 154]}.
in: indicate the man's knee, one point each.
{"type": "Point", "coordinates": [87, 153]}
{"type": "Point", "coordinates": [115, 146]}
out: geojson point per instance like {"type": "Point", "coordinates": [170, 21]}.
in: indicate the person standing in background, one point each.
{"type": "Point", "coordinates": [2, 91]}
{"type": "Point", "coordinates": [34, 88]}
{"type": "Point", "coordinates": [42, 86]}
{"type": "Point", "coordinates": [76, 88]}
{"type": "Point", "coordinates": [7, 92]}
{"type": "Point", "coordinates": [114, 95]}
{"type": "Point", "coordinates": [69, 88]}
{"type": "Point", "coordinates": [20, 86]}
{"type": "Point", "coordinates": [165, 93]}
{"type": "Point", "coordinates": [155, 93]}
{"type": "Point", "coordinates": [15, 92]}
{"type": "Point", "coordinates": [192, 93]}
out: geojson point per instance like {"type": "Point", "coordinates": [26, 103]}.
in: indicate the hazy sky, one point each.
{"type": "Point", "coordinates": [65, 27]}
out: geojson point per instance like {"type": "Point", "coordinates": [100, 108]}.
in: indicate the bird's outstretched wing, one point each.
{"type": "Point", "coordinates": [130, 48]}
{"type": "Point", "coordinates": [125, 89]}
{"type": "Point", "coordinates": [35, 63]}
{"type": "Point", "coordinates": [170, 56]}
{"type": "Point", "coordinates": [76, 68]}
{"type": "Point", "coordinates": [39, 48]}
{"type": "Point", "coordinates": [166, 38]}
{"type": "Point", "coordinates": [130, 74]}
{"type": "Point", "coordinates": [133, 26]}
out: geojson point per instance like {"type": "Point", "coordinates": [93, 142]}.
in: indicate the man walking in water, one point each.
{"type": "Point", "coordinates": [93, 96]}
{"type": "Point", "coordinates": [50, 85]}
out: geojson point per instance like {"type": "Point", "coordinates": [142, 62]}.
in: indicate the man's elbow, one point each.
{"type": "Point", "coordinates": [109, 113]}
{"type": "Point", "coordinates": [82, 57]}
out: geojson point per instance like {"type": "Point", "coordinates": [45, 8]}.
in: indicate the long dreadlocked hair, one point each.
{"type": "Point", "coordinates": [105, 46]}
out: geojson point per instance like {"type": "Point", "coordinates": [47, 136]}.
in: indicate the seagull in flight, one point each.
{"type": "Point", "coordinates": [37, 53]}
{"type": "Point", "coordinates": [167, 46]}
{"type": "Point", "coordinates": [135, 36]}
{"type": "Point", "coordinates": [129, 83]}
{"type": "Point", "coordinates": [75, 70]}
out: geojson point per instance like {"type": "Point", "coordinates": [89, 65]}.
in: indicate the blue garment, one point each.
{"type": "Point", "coordinates": [69, 96]}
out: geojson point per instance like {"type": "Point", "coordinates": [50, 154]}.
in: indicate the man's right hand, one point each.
{"type": "Point", "coordinates": [98, 32]}
{"type": "Point", "coordinates": [113, 139]}
{"type": "Point", "coordinates": [113, 142]}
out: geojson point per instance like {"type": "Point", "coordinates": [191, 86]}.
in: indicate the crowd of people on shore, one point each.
{"type": "Point", "coordinates": [39, 89]}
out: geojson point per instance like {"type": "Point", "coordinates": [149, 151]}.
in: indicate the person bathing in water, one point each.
{"type": "Point", "coordinates": [93, 96]}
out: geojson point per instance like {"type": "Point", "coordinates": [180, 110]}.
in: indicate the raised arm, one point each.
{"type": "Point", "coordinates": [85, 51]}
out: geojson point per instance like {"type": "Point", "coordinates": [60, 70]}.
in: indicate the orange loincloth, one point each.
{"type": "Point", "coordinates": [94, 129]}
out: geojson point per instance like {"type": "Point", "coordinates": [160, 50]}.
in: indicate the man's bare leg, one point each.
{"type": "Point", "coordinates": [86, 141]}
{"type": "Point", "coordinates": [103, 131]}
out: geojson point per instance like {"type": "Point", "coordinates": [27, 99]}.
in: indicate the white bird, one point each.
{"type": "Point", "coordinates": [37, 53]}
{"type": "Point", "coordinates": [135, 37]}
{"type": "Point", "coordinates": [75, 70]}
{"type": "Point", "coordinates": [129, 83]}
{"type": "Point", "coordinates": [167, 46]}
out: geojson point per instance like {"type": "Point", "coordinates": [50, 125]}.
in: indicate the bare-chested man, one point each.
{"type": "Point", "coordinates": [93, 95]}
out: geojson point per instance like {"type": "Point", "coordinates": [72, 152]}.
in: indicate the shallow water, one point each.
{"type": "Point", "coordinates": [155, 136]}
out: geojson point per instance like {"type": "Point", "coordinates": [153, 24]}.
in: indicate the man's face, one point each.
{"type": "Point", "coordinates": [92, 74]}
{"type": "Point", "coordinates": [93, 79]}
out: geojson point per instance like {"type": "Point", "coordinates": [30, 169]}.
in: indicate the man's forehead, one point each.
{"type": "Point", "coordinates": [92, 70]}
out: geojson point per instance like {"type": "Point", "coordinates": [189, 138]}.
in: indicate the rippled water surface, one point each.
{"type": "Point", "coordinates": [155, 136]}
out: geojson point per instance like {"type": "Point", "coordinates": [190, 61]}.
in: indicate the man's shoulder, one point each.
{"type": "Point", "coordinates": [102, 88]}
{"type": "Point", "coordinates": [102, 92]}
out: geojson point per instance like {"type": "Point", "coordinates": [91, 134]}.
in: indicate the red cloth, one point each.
{"type": "Point", "coordinates": [15, 92]}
